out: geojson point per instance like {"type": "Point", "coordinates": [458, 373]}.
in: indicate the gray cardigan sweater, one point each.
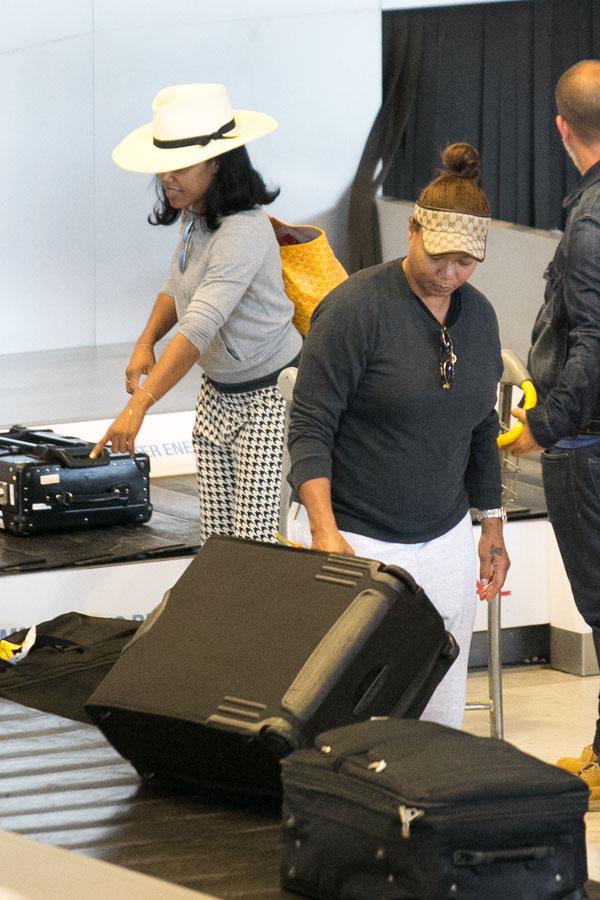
{"type": "Point", "coordinates": [230, 300]}
{"type": "Point", "coordinates": [406, 458]}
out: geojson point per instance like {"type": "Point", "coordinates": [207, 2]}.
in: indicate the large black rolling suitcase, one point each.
{"type": "Point", "coordinates": [48, 482]}
{"type": "Point", "coordinates": [257, 648]}
{"type": "Point", "coordinates": [405, 810]}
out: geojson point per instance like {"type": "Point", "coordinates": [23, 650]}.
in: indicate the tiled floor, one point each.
{"type": "Point", "coordinates": [548, 714]}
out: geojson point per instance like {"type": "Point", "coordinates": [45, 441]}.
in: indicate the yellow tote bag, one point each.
{"type": "Point", "coordinates": [310, 268]}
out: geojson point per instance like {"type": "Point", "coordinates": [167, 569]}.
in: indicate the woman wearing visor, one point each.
{"type": "Point", "coordinates": [393, 427]}
{"type": "Point", "coordinates": [224, 294]}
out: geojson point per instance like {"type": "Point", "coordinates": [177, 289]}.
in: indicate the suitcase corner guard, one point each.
{"type": "Point", "coordinates": [276, 734]}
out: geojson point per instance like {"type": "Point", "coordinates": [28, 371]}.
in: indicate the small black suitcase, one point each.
{"type": "Point", "coordinates": [408, 810]}
{"type": "Point", "coordinates": [258, 648]}
{"type": "Point", "coordinates": [48, 482]}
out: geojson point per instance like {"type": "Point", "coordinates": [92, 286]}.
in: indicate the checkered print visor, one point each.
{"type": "Point", "coordinates": [445, 231]}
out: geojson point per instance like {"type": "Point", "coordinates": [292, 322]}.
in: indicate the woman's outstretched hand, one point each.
{"type": "Point", "coordinates": [122, 433]}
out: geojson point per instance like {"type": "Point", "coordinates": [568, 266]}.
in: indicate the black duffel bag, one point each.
{"type": "Point", "coordinates": [71, 655]}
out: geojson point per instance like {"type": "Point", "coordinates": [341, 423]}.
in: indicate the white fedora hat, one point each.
{"type": "Point", "coordinates": [190, 123]}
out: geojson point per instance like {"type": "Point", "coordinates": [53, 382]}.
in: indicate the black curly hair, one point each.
{"type": "Point", "coordinates": [237, 186]}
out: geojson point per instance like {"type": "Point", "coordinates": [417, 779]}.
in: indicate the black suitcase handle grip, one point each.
{"type": "Point", "coordinates": [116, 496]}
{"type": "Point", "coordinates": [72, 458]}
{"type": "Point", "coordinates": [73, 455]}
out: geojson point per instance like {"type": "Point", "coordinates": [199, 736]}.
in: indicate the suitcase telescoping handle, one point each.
{"type": "Point", "coordinates": [50, 447]}
{"type": "Point", "coordinates": [43, 436]}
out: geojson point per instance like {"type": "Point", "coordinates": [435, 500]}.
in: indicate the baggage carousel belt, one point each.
{"type": "Point", "coordinates": [63, 784]}
{"type": "Point", "coordinates": [172, 531]}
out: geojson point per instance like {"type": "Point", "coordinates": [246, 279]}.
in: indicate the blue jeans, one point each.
{"type": "Point", "coordinates": [572, 488]}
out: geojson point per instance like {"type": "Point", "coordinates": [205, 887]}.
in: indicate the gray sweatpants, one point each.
{"type": "Point", "coordinates": [446, 569]}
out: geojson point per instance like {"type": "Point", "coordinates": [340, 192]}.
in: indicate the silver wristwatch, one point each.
{"type": "Point", "coordinates": [498, 513]}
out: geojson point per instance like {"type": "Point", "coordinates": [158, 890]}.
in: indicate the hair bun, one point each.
{"type": "Point", "coordinates": [462, 161]}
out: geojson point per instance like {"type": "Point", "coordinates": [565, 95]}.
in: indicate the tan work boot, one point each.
{"type": "Point", "coordinates": [576, 764]}
{"type": "Point", "coordinates": [591, 776]}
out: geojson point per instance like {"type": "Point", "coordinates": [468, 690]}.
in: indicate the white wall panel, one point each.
{"type": "Point", "coordinates": [47, 226]}
{"type": "Point", "coordinates": [130, 590]}
{"type": "Point", "coordinates": [25, 23]}
{"type": "Point", "coordinates": [140, 13]}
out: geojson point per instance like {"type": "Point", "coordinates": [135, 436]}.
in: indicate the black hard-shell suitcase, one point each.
{"type": "Point", "coordinates": [71, 655]}
{"type": "Point", "coordinates": [257, 648]}
{"type": "Point", "coordinates": [48, 482]}
{"type": "Point", "coordinates": [391, 810]}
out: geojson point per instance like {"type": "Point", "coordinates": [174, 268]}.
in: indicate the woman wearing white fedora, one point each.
{"type": "Point", "coordinates": [224, 292]}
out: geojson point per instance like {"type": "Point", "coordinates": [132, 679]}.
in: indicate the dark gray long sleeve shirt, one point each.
{"type": "Point", "coordinates": [405, 458]}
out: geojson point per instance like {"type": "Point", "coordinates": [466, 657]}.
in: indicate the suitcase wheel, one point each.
{"type": "Point", "coordinates": [277, 737]}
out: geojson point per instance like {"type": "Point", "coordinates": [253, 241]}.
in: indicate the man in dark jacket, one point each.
{"type": "Point", "coordinates": [564, 363]}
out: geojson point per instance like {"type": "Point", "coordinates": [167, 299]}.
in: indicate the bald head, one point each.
{"type": "Point", "coordinates": [578, 100]}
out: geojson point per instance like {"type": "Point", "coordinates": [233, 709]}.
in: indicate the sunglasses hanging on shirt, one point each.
{"type": "Point", "coordinates": [447, 359]}
{"type": "Point", "coordinates": [185, 250]}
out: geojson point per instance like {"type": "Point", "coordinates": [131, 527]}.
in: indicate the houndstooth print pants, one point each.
{"type": "Point", "coordinates": [238, 442]}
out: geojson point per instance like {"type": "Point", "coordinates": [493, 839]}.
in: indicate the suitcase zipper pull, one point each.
{"type": "Point", "coordinates": [407, 815]}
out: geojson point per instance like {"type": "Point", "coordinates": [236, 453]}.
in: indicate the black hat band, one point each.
{"type": "Point", "coordinates": [200, 140]}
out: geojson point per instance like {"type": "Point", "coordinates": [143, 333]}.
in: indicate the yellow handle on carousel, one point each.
{"type": "Point", "coordinates": [530, 399]}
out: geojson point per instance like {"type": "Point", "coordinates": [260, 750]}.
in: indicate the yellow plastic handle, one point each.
{"type": "Point", "coordinates": [530, 399]}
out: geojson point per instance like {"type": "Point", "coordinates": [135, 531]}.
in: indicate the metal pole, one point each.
{"type": "Point", "coordinates": [495, 667]}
